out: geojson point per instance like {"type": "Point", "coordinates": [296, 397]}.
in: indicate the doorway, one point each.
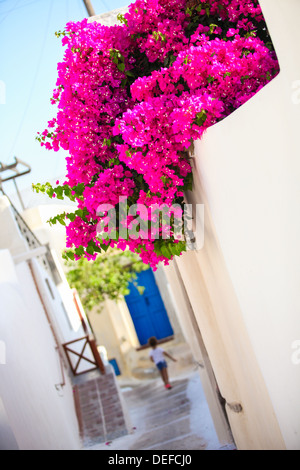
{"type": "Point", "coordinates": [147, 310]}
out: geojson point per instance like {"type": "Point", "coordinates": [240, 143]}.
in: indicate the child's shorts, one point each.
{"type": "Point", "coordinates": [161, 365]}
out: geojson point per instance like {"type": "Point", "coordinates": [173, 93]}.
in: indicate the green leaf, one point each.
{"type": "Point", "coordinates": [121, 67]}
{"type": "Point", "coordinates": [79, 251]}
{"type": "Point", "coordinates": [166, 252]}
{"type": "Point", "coordinates": [141, 289]}
{"type": "Point", "coordinates": [122, 19]}
{"type": "Point", "coordinates": [106, 143]}
{"type": "Point", "coordinates": [201, 118]}
{"type": "Point", "coordinates": [90, 250]}
{"type": "Point", "coordinates": [79, 189]}
{"type": "Point", "coordinates": [58, 218]}
{"type": "Point", "coordinates": [188, 182]}
{"type": "Point", "coordinates": [70, 255]}
{"type": "Point", "coordinates": [212, 28]}
{"type": "Point", "coordinates": [178, 248]}
{"type": "Point", "coordinates": [104, 247]}
{"type": "Point", "coordinates": [71, 217]}
{"type": "Point", "coordinates": [59, 191]}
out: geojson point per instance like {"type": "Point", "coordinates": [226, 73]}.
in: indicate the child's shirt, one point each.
{"type": "Point", "coordinates": [157, 355]}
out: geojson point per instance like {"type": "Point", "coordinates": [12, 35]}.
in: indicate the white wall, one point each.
{"type": "Point", "coordinates": [67, 317]}
{"type": "Point", "coordinates": [62, 307]}
{"type": "Point", "coordinates": [41, 417]}
{"type": "Point", "coordinates": [7, 438]}
{"type": "Point", "coordinates": [109, 18]}
{"type": "Point", "coordinates": [193, 337]}
{"type": "Point", "coordinates": [37, 219]}
{"type": "Point", "coordinates": [10, 235]}
{"type": "Point", "coordinates": [248, 168]}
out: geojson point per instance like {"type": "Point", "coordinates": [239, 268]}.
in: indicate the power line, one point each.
{"type": "Point", "coordinates": [15, 7]}
{"type": "Point", "coordinates": [34, 81]}
{"type": "Point", "coordinates": [8, 12]}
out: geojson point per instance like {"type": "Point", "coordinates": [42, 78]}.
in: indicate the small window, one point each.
{"type": "Point", "coordinates": [53, 268]}
{"type": "Point", "coordinates": [50, 289]}
{"type": "Point", "coordinates": [66, 315]}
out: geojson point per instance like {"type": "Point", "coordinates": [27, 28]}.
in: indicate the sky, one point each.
{"type": "Point", "coordinates": [29, 54]}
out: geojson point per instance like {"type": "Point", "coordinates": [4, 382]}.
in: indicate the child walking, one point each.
{"type": "Point", "coordinates": [157, 355]}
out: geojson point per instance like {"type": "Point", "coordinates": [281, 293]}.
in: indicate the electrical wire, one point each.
{"type": "Point", "coordinates": [34, 81]}
{"type": "Point", "coordinates": [8, 12]}
{"type": "Point", "coordinates": [58, 156]}
{"type": "Point", "coordinates": [15, 7]}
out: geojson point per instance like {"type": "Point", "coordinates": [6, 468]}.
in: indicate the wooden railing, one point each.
{"type": "Point", "coordinates": [88, 344]}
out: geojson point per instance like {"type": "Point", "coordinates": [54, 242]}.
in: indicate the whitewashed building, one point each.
{"type": "Point", "coordinates": [36, 397]}
{"type": "Point", "coordinates": [240, 294]}
{"type": "Point", "coordinates": [49, 361]}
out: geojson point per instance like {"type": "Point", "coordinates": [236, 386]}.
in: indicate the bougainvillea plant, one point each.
{"type": "Point", "coordinates": [132, 98]}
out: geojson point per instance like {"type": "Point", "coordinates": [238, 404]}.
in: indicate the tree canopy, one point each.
{"type": "Point", "coordinates": [107, 277]}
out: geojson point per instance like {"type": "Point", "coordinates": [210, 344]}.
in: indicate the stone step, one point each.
{"type": "Point", "coordinates": [100, 409]}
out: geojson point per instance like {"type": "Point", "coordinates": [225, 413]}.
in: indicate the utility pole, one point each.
{"type": "Point", "coordinates": [89, 7]}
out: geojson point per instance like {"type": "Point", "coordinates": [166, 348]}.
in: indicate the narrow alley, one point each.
{"type": "Point", "coordinates": [176, 419]}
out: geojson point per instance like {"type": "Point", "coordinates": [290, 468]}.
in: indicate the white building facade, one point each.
{"type": "Point", "coordinates": [36, 318]}
{"type": "Point", "coordinates": [243, 286]}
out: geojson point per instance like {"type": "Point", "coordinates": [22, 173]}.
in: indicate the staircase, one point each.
{"type": "Point", "coordinates": [100, 408]}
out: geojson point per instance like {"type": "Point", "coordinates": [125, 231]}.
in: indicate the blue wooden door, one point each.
{"type": "Point", "coordinates": [148, 311]}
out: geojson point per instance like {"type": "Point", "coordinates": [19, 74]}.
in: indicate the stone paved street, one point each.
{"type": "Point", "coordinates": [176, 419]}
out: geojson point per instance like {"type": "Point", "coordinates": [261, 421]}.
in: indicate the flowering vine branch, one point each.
{"type": "Point", "coordinates": [133, 97]}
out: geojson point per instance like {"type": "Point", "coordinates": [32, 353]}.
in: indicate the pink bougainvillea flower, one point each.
{"type": "Point", "coordinates": [130, 100]}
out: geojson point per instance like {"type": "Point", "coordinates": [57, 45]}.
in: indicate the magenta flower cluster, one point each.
{"type": "Point", "coordinates": [132, 98]}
